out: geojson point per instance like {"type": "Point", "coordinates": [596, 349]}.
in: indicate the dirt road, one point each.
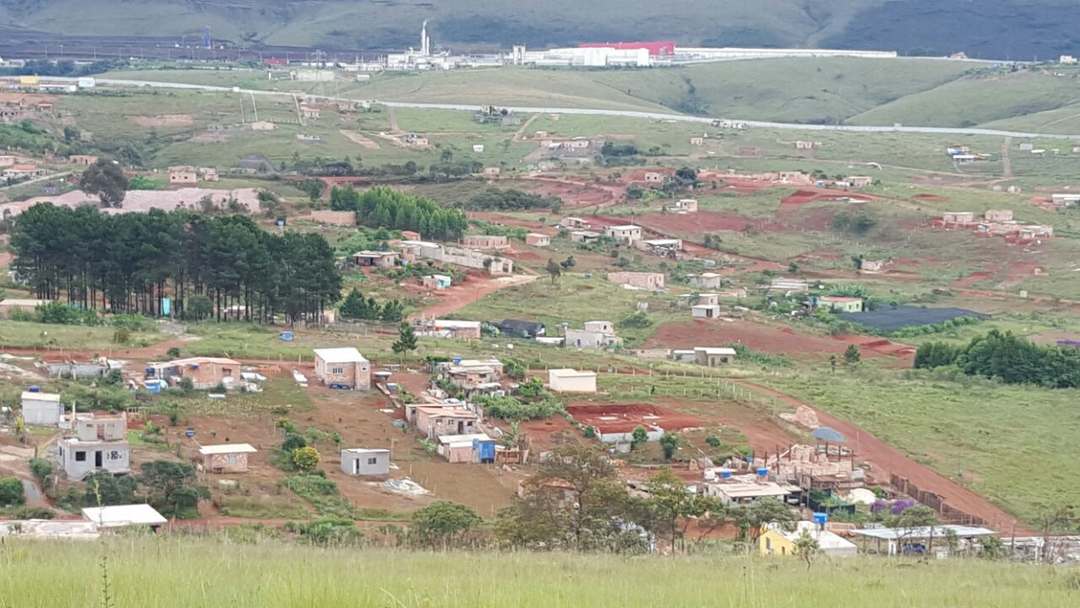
{"type": "Point", "coordinates": [459, 296]}
{"type": "Point", "coordinates": [886, 460]}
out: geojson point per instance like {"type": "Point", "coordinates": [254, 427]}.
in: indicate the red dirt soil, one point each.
{"type": "Point", "coordinates": [929, 198]}
{"type": "Point", "coordinates": [765, 338]}
{"type": "Point", "coordinates": [886, 460]}
{"type": "Point", "coordinates": [697, 223]}
{"type": "Point", "coordinates": [474, 288]}
{"type": "Point", "coordinates": [809, 195]}
{"type": "Point", "coordinates": [625, 418]}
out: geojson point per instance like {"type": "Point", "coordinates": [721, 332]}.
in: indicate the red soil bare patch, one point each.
{"type": "Point", "coordinates": [625, 418]}
{"type": "Point", "coordinates": [971, 279]}
{"type": "Point", "coordinates": [933, 198]}
{"type": "Point", "coordinates": [704, 221]}
{"type": "Point", "coordinates": [765, 338]}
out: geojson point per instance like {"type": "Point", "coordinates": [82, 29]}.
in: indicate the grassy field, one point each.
{"type": "Point", "coordinates": [22, 334]}
{"type": "Point", "coordinates": [982, 434]}
{"type": "Point", "coordinates": [159, 573]}
{"type": "Point", "coordinates": [573, 299]}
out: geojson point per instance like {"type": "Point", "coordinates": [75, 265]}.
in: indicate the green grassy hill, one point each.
{"type": "Point", "coordinates": [914, 92]}
{"type": "Point", "coordinates": [1017, 29]}
{"type": "Point", "coordinates": [164, 572]}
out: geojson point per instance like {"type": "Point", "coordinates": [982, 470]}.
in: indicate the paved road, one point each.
{"type": "Point", "coordinates": [598, 112]}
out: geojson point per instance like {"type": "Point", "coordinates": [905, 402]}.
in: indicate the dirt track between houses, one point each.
{"type": "Point", "coordinates": [457, 297]}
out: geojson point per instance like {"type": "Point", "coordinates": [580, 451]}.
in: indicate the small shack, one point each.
{"type": "Point", "coordinates": [436, 281]}
{"type": "Point", "coordinates": [121, 516]}
{"type": "Point", "coordinates": [41, 409]}
{"type": "Point", "coordinates": [343, 368]}
{"type": "Point", "coordinates": [571, 381]}
{"type": "Point", "coordinates": [476, 448]}
{"type": "Point", "coordinates": [712, 356]}
{"type": "Point", "coordinates": [226, 457]}
{"type": "Point", "coordinates": [365, 462]}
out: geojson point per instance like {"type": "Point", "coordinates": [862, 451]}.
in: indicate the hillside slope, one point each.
{"type": "Point", "coordinates": [1017, 29]}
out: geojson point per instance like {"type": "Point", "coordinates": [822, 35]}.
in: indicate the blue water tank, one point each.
{"type": "Point", "coordinates": [286, 336]}
{"type": "Point", "coordinates": [34, 389]}
{"type": "Point", "coordinates": [821, 519]}
{"type": "Point", "coordinates": [457, 359]}
{"type": "Point", "coordinates": [725, 473]}
{"type": "Point", "coordinates": [763, 471]}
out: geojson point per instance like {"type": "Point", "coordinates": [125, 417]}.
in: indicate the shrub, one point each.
{"type": "Point", "coordinates": [11, 492]}
{"type": "Point", "coordinates": [305, 459]}
{"type": "Point", "coordinates": [41, 468]}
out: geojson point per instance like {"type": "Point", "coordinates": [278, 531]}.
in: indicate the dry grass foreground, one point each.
{"type": "Point", "coordinates": [167, 572]}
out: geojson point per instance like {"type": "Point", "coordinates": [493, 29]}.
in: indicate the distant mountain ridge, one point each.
{"type": "Point", "coordinates": [996, 29]}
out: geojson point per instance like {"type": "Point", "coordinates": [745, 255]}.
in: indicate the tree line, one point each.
{"type": "Point", "coordinates": [1009, 358]}
{"type": "Point", "coordinates": [208, 266]}
{"type": "Point", "coordinates": [386, 208]}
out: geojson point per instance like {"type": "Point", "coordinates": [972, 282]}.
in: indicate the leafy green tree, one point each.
{"type": "Point", "coordinates": [441, 523]}
{"type": "Point", "coordinates": [105, 489]}
{"type": "Point", "coordinates": [852, 356]}
{"type": "Point", "coordinates": [305, 459]}
{"type": "Point", "coordinates": [171, 488]}
{"type": "Point", "coordinates": [553, 270]}
{"type": "Point", "coordinates": [669, 443]}
{"type": "Point", "coordinates": [807, 548]}
{"type": "Point", "coordinates": [106, 179]}
{"type": "Point", "coordinates": [673, 505]}
{"type": "Point", "coordinates": [406, 341]}
{"type": "Point", "coordinates": [574, 501]}
{"type": "Point", "coordinates": [750, 518]}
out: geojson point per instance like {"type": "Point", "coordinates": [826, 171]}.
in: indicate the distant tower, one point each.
{"type": "Point", "coordinates": [207, 41]}
{"type": "Point", "coordinates": [425, 40]}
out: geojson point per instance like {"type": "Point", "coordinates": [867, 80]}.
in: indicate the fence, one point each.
{"type": "Point", "coordinates": [948, 513]}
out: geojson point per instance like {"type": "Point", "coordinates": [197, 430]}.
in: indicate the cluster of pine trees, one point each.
{"type": "Point", "coordinates": [127, 263]}
{"type": "Point", "coordinates": [1012, 359]}
{"type": "Point", "coordinates": [356, 307]}
{"type": "Point", "coordinates": [393, 210]}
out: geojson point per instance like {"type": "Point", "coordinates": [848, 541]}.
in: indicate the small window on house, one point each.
{"type": "Point", "coordinates": [338, 371]}
{"type": "Point", "coordinates": [372, 460]}
{"type": "Point", "coordinates": [80, 456]}
{"type": "Point", "coordinates": [225, 371]}
{"type": "Point", "coordinates": [114, 455]}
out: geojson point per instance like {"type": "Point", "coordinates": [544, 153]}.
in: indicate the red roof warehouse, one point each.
{"type": "Point", "coordinates": [657, 48]}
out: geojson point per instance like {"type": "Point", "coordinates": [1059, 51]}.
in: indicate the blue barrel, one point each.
{"type": "Point", "coordinates": [457, 359]}
{"type": "Point", "coordinates": [725, 473]}
{"type": "Point", "coordinates": [821, 519]}
{"type": "Point", "coordinates": [763, 471]}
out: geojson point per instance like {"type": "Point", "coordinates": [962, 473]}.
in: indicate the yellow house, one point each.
{"type": "Point", "coordinates": [29, 81]}
{"type": "Point", "coordinates": [774, 541]}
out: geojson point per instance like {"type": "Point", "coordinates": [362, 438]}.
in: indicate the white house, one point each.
{"type": "Point", "coordinates": [41, 409]}
{"type": "Point", "coordinates": [628, 233]}
{"type": "Point", "coordinates": [100, 444]}
{"type": "Point", "coordinates": [571, 381]}
{"type": "Point", "coordinates": [365, 462]}
{"type": "Point", "coordinates": [596, 334]}
{"type": "Point", "coordinates": [705, 311]}
{"type": "Point", "coordinates": [343, 368]}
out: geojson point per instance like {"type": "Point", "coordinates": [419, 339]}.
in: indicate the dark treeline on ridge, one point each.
{"type": "Point", "coordinates": [208, 265]}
